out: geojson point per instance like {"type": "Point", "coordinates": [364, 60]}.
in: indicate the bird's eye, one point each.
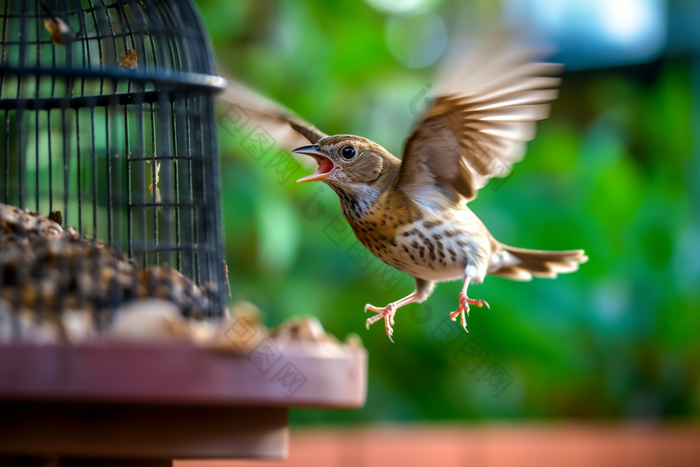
{"type": "Point", "coordinates": [348, 152]}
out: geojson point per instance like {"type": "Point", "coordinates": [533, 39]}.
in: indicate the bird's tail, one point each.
{"type": "Point", "coordinates": [520, 264]}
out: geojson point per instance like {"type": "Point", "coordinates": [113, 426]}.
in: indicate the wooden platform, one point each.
{"type": "Point", "coordinates": [546, 444]}
{"type": "Point", "coordinates": [167, 401]}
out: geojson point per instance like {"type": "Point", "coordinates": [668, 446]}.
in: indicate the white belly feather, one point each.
{"type": "Point", "coordinates": [439, 248]}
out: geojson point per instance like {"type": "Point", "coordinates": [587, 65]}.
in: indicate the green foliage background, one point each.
{"type": "Point", "coordinates": [611, 171]}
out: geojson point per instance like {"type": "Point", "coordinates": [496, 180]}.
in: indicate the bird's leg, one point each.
{"type": "Point", "coordinates": [464, 303]}
{"type": "Point", "coordinates": [422, 292]}
{"type": "Point", "coordinates": [388, 312]}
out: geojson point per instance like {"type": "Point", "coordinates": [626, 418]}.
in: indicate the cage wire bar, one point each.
{"type": "Point", "coordinates": [108, 118]}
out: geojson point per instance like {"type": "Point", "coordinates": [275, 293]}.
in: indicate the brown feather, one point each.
{"type": "Point", "coordinates": [478, 123]}
{"type": "Point", "coordinates": [287, 129]}
{"type": "Point", "coordinates": [539, 263]}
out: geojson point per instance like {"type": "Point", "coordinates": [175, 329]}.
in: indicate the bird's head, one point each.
{"type": "Point", "coordinates": [347, 160]}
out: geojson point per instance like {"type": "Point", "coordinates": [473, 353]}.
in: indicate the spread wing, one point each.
{"type": "Point", "coordinates": [247, 109]}
{"type": "Point", "coordinates": [478, 123]}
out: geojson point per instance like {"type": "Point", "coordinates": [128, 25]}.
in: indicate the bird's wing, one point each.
{"type": "Point", "coordinates": [479, 121]}
{"type": "Point", "coordinates": [247, 109]}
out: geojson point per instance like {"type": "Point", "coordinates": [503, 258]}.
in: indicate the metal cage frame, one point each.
{"type": "Point", "coordinates": [108, 118]}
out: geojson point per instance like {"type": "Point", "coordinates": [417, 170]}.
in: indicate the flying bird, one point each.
{"type": "Point", "coordinates": [412, 213]}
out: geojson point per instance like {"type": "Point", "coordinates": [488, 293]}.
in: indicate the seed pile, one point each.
{"type": "Point", "coordinates": [46, 270]}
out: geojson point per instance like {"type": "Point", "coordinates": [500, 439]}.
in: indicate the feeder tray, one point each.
{"type": "Point", "coordinates": [113, 402]}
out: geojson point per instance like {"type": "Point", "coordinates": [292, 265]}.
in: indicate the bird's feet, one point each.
{"type": "Point", "coordinates": [387, 313]}
{"type": "Point", "coordinates": [464, 303]}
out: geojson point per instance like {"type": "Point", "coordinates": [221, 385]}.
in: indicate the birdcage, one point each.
{"type": "Point", "coordinates": [108, 129]}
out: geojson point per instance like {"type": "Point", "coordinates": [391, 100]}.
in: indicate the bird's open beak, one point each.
{"type": "Point", "coordinates": [325, 165]}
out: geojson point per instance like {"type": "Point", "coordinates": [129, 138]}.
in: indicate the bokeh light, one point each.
{"type": "Point", "coordinates": [400, 6]}
{"type": "Point", "coordinates": [416, 39]}
{"type": "Point", "coordinates": [595, 33]}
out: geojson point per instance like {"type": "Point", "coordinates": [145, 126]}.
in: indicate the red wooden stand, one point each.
{"type": "Point", "coordinates": [109, 404]}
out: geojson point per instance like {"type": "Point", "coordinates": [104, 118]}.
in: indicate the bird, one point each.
{"type": "Point", "coordinates": [413, 213]}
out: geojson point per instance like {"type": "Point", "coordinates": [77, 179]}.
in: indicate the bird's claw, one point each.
{"type": "Point", "coordinates": [387, 313]}
{"type": "Point", "coordinates": [463, 308]}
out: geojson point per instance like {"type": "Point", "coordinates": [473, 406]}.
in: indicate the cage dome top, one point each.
{"type": "Point", "coordinates": [151, 41]}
